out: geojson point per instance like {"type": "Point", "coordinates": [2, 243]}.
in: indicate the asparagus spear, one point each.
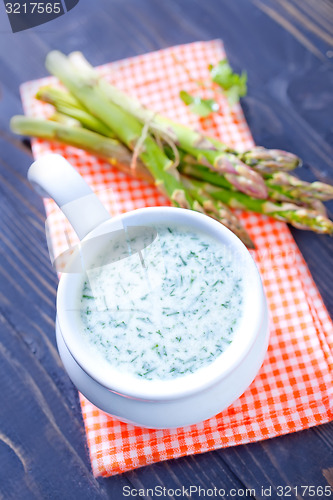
{"type": "Point", "coordinates": [299, 217]}
{"type": "Point", "coordinates": [66, 104]}
{"type": "Point", "coordinates": [275, 195]}
{"type": "Point", "coordinates": [124, 125]}
{"type": "Point", "coordinates": [293, 190]}
{"type": "Point", "coordinates": [190, 169]}
{"type": "Point", "coordinates": [114, 152]}
{"type": "Point", "coordinates": [282, 186]}
{"type": "Point", "coordinates": [91, 91]}
{"type": "Point", "coordinates": [236, 172]}
{"type": "Point", "coordinates": [118, 155]}
{"type": "Point", "coordinates": [279, 182]}
{"type": "Point", "coordinates": [260, 159]}
{"type": "Point", "coordinates": [218, 210]}
{"type": "Point", "coordinates": [269, 160]}
{"type": "Point", "coordinates": [109, 149]}
{"type": "Point", "coordinates": [296, 188]}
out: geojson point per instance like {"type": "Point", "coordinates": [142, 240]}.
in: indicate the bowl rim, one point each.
{"type": "Point", "coordinates": [179, 387]}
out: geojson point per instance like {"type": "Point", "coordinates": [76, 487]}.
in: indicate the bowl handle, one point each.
{"type": "Point", "coordinates": [53, 177]}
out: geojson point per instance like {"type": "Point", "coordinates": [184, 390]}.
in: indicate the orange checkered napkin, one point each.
{"type": "Point", "coordinates": [294, 387]}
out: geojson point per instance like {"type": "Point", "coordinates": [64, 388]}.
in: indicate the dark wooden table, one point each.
{"type": "Point", "coordinates": [286, 48]}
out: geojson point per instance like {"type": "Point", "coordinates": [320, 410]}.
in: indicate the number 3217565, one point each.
{"type": "Point", "coordinates": [302, 491]}
{"type": "Point", "coordinates": [33, 8]}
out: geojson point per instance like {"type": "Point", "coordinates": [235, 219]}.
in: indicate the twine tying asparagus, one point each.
{"type": "Point", "coordinates": [138, 149]}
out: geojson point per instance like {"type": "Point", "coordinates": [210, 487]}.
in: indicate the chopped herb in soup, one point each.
{"type": "Point", "coordinates": [166, 310]}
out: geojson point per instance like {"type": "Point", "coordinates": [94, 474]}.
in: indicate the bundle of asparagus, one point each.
{"type": "Point", "coordinates": [194, 171]}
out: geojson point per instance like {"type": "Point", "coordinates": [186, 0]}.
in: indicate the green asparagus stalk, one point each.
{"type": "Point", "coordinates": [218, 211]}
{"type": "Point", "coordinates": [296, 188]}
{"type": "Point", "coordinates": [114, 152]}
{"type": "Point", "coordinates": [236, 172]}
{"type": "Point", "coordinates": [300, 217]}
{"type": "Point", "coordinates": [126, 127]}
{"type": "Point", "coordinates": [118, 155]}
{"type": "Point", "coordinates": [275, 195]}
{"type": "Point", "coordinates": [270, 160]}
{"type": "Point", "coordinates": [261, 159]}
{"type": "Point", "coordinates": [109, 149]}
{"type": "Point", "coordinates": [294, 191]}
{"type": "Point", "coordinates": [67, 105]}
{"type": "Point", "coordinates": [282, 185]}
{"type": "Point", "coordinates": [258, 158]}
{"type": "Point", "coordinates": [105, 109]}
{"type": "Point", "coordinates": [190, 169]}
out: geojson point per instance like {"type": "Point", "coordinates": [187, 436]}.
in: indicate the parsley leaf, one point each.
{"type": "Point", "coordinates": [233, 84]}
{"type": "Point", "coordinates": [199, 106]}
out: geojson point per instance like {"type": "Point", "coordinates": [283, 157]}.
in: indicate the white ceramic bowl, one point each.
{"type": "Point", "coordinates": [151, 403]}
